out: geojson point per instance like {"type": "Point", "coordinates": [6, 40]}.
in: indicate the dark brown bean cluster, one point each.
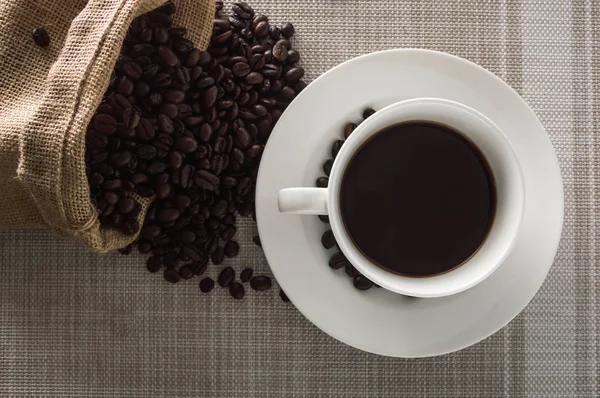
{"type": "Point", "coordinates": [187, 128]}
{"type": "Point", "coordinates": [338, 260]}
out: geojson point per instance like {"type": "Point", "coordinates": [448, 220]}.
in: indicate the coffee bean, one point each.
{"type": "Point", "coordinates": [120, 159]}
{"type": "Point", "coordinates": [209, 96]}
{"type": "Point", "coordinates": [206, 180]}
{"type": "Point", "coordinates": [246, 275]}
{"type": "Point", "coordinates": [368, 113]}
{"type": "Point", "coordinates": [293, 75]}
{"type": "Point", "coordinates": [217, 256]}
{"type": "Point", "coordinates": [260, 283]}
{"type": "Point", "coordinates": [327, 239]}
{"type": "Point", "coordinates": [186, 272]}
{"type": "Point", "coordinates": [335, 148]}
{"type": "Point", "coordinates": [327, 166]}
{"type": "Point", "coordinates": [283, 296]}
{"type": "Point", "coordinates": [167, 215]}
{"type": "Point", "coordinates": [236, 290]}
{"type": "Point", "coordinates": [144, 130]}
{"type": "Point", "coordinates": [41, 37]}
{"type": "Point", "coordinates": [171, 275]}
{"type": "Point", "coordinates": [293, 57]}
{"type": "Point", "coordinates": [243, 10]}
{"type": "Point", "coordinates": [226, 277]}
{"type": "Point", "coordinates": [324, 218]}
{"type": "Point", "coordinates": [254, 78]}
{"type": "Point", "coordinates": [351, 271]}
{"type": "Point", "coordinates": [362, 283]}
{"type": "Point", "coordinates": [337, 261]}
{"type": "Point", "coordinates": [322, 182]}
{"type": "Point", "coordinates": [153, 263]}
{"type": "Point", "coordinates": [104, 123]}
{"type": "Point", "coordinates": [228, 233]}
{"type": "Point", "coordinates": [167, 56]}
{"type": "Point", "coordinates": [131, 118]}
{"type": "Point", "coordinates": [126, 205]}
{"type": "Point", "coordinates": [287, 30]}
{"type": "Point", "coordinates": [256, 240]}
{"type": "Point", "coordinates": [348, 129]}
{"type": "Point", "coordinates": [206, 285]}
{"type": "Point", "coordinates": [280, 52]}
{"type": "Point", "coordinates": [231, 248]}
{"type": "Point", "coordinates": [186, 144]}
{"type": "Point", "coordinates": [240, 69]}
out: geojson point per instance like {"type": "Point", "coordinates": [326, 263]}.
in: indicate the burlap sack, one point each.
{"type": "Point", "coordinates": [47, 98]}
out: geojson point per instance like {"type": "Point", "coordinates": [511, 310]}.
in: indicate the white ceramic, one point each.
{"type": "Point", "coordinates": [510, 192]}
{"type": "Point", "coordinates": [378, 320]}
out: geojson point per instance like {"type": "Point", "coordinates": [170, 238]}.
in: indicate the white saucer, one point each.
{"type": "Point", "coordinates": [379, 321]}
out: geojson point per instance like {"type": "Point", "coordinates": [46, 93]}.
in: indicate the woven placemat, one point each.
{"type": "Point", "coordinates": [78, 324]}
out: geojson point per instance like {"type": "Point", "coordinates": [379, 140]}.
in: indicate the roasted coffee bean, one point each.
{"type": "Point", "coordinates": [126, 205]}
{"type": "Point", "coordinates": [217, 256]}
{"type": "Point", "coordinates": [293, 75]}
{"type": "Point", "coordinates": [335, 148]}
{"type": "Point", "coordinates": [193, 252]}
{"type": "Point", "coordinates": [324, 218]}
{"type": "Point", "coordinates": [240, 69]}
{"type": "Point", "coordinates": [104, 123]}
{"type": "Point", "coordinates": [167, 56]}
{"type": "Point", "coordinates": [337, 261]}
{"type": "Point", "coordinates": [260, 283]}
{"type": "Point", "coordinates": [256, 240]}
{"type": "Point", "coordinates": [237, 291]}
{"type": "Point", "coordinates": [327, 239]}
{"type": "Point", "coordinates": [41, 37]}
{"type": "Point", "coordinates": [368, 113]}
{"type": "Point", "coordinates": [361, 282]}
{"type": "Point", "coordinates": [293, 57]}
{"type": "Point", "coordinates": [280, 52]}
{"type": "Point", "coordinates": [153, 263]}
{"type": "Point", "coordinates": [322, 182]}
{"type": "Point", "coordinates": [287, 30]}
{"type": "Point", "coordinates": [226, 277]}
{"type": "Point", "coordinates": [171, 275]}
{"type": "Point", "coordinates": [327, 166]}
{"type": "Point", "coordinates": [228, 233]}
{"type": "Point", "coordinates": [243, 10]}
{"type": "Point", "coordinates": [167, 215]}
{"type": "Point", "coordinates": [351, 271]}
{"type": "Point", "coordinates": [255, 151]}
{"type": "Point", "coordinates": [186, 272]}
{"type": "Point", "coordinates": [144, 130]}
{"type": "Point", "coordinates": [283, 296]}
{"type": "Point", "coordinates": [186, 144]}
{"type": "Point", "coordinates": [254, 78]}
{"type": "Point", "coordinates": [206, 285]}
{"type": "Point", "coordinates": [206, 180]}
{"type": "Point", "coordinates": [348, 129]}
{"type": "Point", "coordinates": [246, 275]}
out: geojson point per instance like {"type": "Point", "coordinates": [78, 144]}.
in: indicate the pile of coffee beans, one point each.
{"type": "Point", "coordinates": [187, 128]}
{"type": "Point", "coordinates": [338, 260]}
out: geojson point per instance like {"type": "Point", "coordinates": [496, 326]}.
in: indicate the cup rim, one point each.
{"type": "Point", "coordinates": [410, 285]}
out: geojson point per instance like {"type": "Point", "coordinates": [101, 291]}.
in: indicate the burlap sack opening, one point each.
{"type": "Point", "coordinates": [47, 98]}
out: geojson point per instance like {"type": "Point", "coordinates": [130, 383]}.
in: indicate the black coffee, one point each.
{"type": "Point", "coordinates": [417, 199]}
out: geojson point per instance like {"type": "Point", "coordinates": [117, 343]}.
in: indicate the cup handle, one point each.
{"type": "Point", "coordinates": [303, 200]}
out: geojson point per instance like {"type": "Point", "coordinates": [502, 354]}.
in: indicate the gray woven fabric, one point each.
{"type": "Point", "coordinates": [77, 324]}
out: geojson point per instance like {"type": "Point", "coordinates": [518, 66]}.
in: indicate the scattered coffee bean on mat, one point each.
{"type": "Point", "coordinates": [260, 283]}
{"type": "Point", "coordinates": [237, 290]}
{"type": "Point", "coordinates": [327, 239]}
{"type": "Point", "coordinates": [41, 37]}
{"type": "Point", "coordinates": [256, 240]}
{"type": "Point", "coordinates": [187, 128]}
{"type": "Point", "coordinates": [283, 296]}
{"type": "Point", "coordinates": [206, 285]}
{"type": "Point", "coordinates": [226, 276]}
{"type": "Point", "coordinates": [246, 274]}
{"type": "Point", "coordinates": [338, 260]}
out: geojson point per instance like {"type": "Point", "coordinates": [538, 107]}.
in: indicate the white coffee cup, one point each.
{"type": "Point", "coordinates": [508, 178]}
